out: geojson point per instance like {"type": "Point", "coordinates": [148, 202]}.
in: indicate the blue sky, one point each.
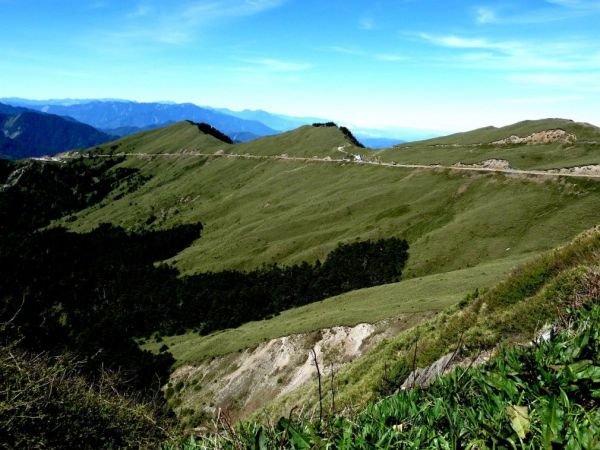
{"type": "Point", "coordinates": [445, 65]}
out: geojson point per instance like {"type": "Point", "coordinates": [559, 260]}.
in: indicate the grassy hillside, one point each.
{"type": "Point", "coordinates": [474, 147]}
{"type": "Point", "coordinates": [258, 212]}
{"type": "Point", "coordinates": [538, 292]}
{"type": "Point", "coordinates": [583, 131]}
{"type": "Point", "coordinates": [412, 300]}
{"type": "Point", "coordinates": [306, 141]}
{"type": "Point", "coordinates": [177, 138]}
{"type": "Point", "coordinates": [517, 400]}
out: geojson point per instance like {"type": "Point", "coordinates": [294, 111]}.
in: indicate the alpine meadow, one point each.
{"type": "Point", "coordinates": [384, 233]}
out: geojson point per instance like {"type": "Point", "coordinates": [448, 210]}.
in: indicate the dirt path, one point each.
{"type": "Point", "coordinates": [555, 173]}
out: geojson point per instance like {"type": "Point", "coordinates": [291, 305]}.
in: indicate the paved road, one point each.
{"type": "Point", "coordinates": [465, 168]}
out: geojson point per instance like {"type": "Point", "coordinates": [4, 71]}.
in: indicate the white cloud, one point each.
{"type": "Point", "coordinates": [346, 50]}
{"type": "Point", "coordinates": [97, 4]}
{"type": "Point", "coordinates": [387, 57]}
{"type": "Point", "coordinates": [548, 12]}
{"type": "Point", "coordinates": [546, 100]}
{"type": "Point", "coordinates": [483, 53]}
{"type": "Point", "coordinates": [453, 41]}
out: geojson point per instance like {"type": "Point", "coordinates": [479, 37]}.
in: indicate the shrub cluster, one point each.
{"type": "Point", "coordinates": [46, 403]}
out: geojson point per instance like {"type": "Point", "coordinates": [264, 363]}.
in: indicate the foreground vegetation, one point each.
{"type": "Point", "coordinates": [48, 402]}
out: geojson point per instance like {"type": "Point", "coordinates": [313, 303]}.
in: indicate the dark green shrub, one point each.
{"type": "Point", "coordinates": [46, 404]}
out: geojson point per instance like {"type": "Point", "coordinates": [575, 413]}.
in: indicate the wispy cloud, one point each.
{"type": "Point", "coordinates": [272, 65]}
{"type": "Point", "coordinates": [346, 50]}
{"type": "Point", "coordinates": [484, 53]}
{"type": "Point", "coordinates": [263, 72]}
{"type": "Point", "coordinates": [390, 57]}
{"type": "Point", "coordinates": [453, 41]}
{"type": "Point", "coordinates": [166, 23]}
{"type": "Point", "coordinates": [545, 100]}
{"type": "Point", "coordinates": [550, 11]}
{"type": "Point", "coordinates": [97, 5]}
{"type": "Point", "coordinates": [576, 4]}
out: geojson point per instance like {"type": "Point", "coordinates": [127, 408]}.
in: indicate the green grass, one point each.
{"type": "Point", "coordinates": [536, 293]}
{"type": "Point", "coordinates": [535, 157]}
{"type": "Point", "coordinates": [473, 147]}
{"type": "Point", "coordinates": [412, 300]}
{"type": "Point", "coordinates": [180, 137]}
{"type": "Point", "coordinates": [306, 141]}
{"type": "Point", "coordinates": [530, 398]}
{"type": "Point", "coordinates": [258, 212]}
{"type": "Point", "coordinates": [555, 385]}
{"type": "Point", "coordinates": [583, 131]}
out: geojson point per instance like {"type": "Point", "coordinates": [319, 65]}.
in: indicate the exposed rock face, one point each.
{"type": "Point", "coordinates": [446, 364]}
{"type": "Point", "coordinates": [542, 137]}
{"type": "Point", "coordinates": [241, 382]}
{"type": "Point", "coordinates": [496, 164]}
{"type": "Point", "coordinates": [593, 170]}
{"type": "Point", "coordinates": [423, 377]}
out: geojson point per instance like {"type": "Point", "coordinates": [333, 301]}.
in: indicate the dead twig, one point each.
{"type": "Point", "coordinates": [314, 355]}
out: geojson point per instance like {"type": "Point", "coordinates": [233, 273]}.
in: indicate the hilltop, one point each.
{"type": "Point", "coordinates": [180, 137]}
{"type": "Point", "coordinates": [534, 144]}
{"type": "Point", "coordinates": [488, 135]}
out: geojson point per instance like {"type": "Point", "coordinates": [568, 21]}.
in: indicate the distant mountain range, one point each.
{"type": "Point", "coordinates": [122, 117]}
{"type": "Point", "coordinates": [26, 133]}
{"type": "Point", "coordinates": [112, 118]}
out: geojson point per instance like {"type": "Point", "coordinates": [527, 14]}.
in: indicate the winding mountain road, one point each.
{"type": "Point", "coordinates": [464, 168]}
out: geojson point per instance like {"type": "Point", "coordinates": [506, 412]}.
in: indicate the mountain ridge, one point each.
{"type": "Point", "coordinates": [26, 133]}
{"type": "Point", "coordinates": [112, 114]}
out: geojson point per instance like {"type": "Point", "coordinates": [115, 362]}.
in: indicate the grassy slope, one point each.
{"type": "Point", "coordinates": [266, 211]}
{"type": "Point", "coordinates": [548, 156]}
{"type": "Point", "coordinates": [259, 212]}
{"type": "Point", "coordinates": [306, 141]}
{"type": "Point", "coordinates": [522, 129]}
{"type": "Point", "coordinates": [531, 296]}
{"type": "Point", "coordinates": [413, 300]}
{"type": "Point", "coordinates": [170, 139]}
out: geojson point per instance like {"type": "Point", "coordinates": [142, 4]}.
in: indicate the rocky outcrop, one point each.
{"type": "Point", "coordinates": [242, 382]}
{"type": "Point", "coordinates": [591, 170]}
{"type": "Point", "coordinates": [423, 377]}
{"type": "Point", "coordinates": [496, 164]}
{"type": "Point", "coordinates": [541, 137]}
